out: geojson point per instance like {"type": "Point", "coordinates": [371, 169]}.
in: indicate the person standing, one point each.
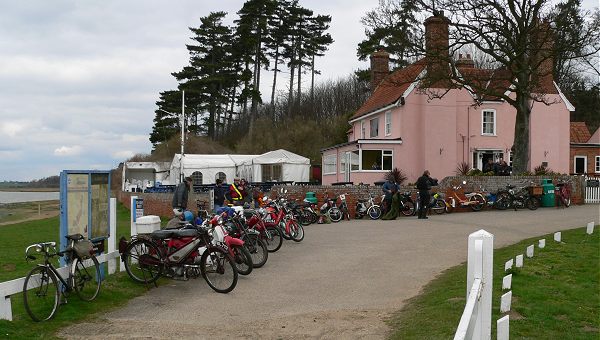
{"type": "Point", "coordinates": [424, 185]}
{"type": "Point", "coordinates": [389, 188]}
{"type": "Point", "coordinates": [235, 194]}
{"type": "Point", "coordinates": [180, 197]}
{"type": "Point", "coordinates": [219, 193]}
{"type": "Point", "coordinates": [489, 166]}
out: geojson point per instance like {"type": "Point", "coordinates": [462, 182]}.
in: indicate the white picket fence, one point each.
{"type": "Point", "coordinates": [12, 287]}
{"type": "Point", "coordinates": [592, 194]}
{"type": "Point", "coordinates": [476, 320]}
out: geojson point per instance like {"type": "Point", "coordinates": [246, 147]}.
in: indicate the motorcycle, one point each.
{"type": "Point", "coordinates": [474, 200]}
{"type": "Point", "coordinates": [367, 207]}
{"type": "Point", "coordinates": [179, 254]}
{"type": "Point", "coordinates": [344, 207]}
{"type": "Point", "coordinates": [516, 198]}
{"type": "Point", "coordinates": [331, 209]}
{"type": "Point", "coordinates": [407, 205]}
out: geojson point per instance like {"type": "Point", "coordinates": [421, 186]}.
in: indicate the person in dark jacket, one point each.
{"type": "Point", "coordinates": [389, 189]}
{"type": "Point", "coordinates": [424, 185]}
{"type": "Point", "coordinates": [180, 196]}
{"type": "Point", "coordinates": [219, 190]}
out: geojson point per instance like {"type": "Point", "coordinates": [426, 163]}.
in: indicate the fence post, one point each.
{"type": "Point", "coordinates": [482, 266]}
{"type": "Point", "coordinates": [112, 238]}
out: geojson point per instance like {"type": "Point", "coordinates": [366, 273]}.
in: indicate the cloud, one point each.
{"type": "Point", "coordinates": [12, 129]}
{"type": "Point", "coordinates": [123, 154]}
{"type": "Point", "coordinates": [68, 151]}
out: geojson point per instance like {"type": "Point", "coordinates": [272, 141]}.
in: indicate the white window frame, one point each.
{"type": "Point", "coordinates": [584, 164]}
{"type": "Point", "coordinates": [329, 160]}
{"type": "Point", "coordinates": [597, 165]}
{"type": "Point", "coordinates": [363, 132]}
{"type": "Point", "coordinates": [384, 153]}
{"type": "Point", "coordinates": [388, 123]}
{"type": "Point", "coordinates": [371, 127]}
{"type": "Point", "coordinates": [483, 122]}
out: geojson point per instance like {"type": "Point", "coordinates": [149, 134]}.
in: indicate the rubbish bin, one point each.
{"type": "Point", "coordinates": [548, 193]}
{"type": "Point", "coordinates": [311, 197]}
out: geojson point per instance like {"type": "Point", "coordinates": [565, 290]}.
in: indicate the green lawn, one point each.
{"type": "Point", "coordinates": [116, 290]}
{"type": "Point", "coordinates": [556, 295]}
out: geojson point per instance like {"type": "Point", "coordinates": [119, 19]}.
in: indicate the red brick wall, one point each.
{"type": "Point", "coordinates": [589, 152]}
{"type": "Point", "coordinates": [160, 203]}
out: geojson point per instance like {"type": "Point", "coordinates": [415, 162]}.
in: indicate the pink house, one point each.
{"type": "Point", "coordinates": [400, 125]}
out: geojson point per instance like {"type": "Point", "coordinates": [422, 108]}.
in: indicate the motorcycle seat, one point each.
{"type": "Point", "coordinates": [163, 234]}
{"type": "Point", "coordinates": [362, 200]}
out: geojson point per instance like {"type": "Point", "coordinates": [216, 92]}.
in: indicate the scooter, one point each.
{"type": "Point", "coordinates": [367, 207]}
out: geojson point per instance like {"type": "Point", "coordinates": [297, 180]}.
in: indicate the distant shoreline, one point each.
{"type": "Point", "coordinates": [18, 189]}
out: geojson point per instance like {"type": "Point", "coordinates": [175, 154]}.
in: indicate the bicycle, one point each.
{"type": "Point", "coordinates": [41, 291]}
{"type": "Point", "coordinates": [562, 193]}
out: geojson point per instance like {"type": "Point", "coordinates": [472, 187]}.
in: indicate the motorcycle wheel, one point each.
{"type": "Point", "coordinates": [478, 206]}
{"type": "Point", "coordinates": [566, 201]}
{"type": "Point", "coordinates": [374, 212]}
{"type": "Point", "coordinates": [273, 239]}
{"type": "Point", "coordinates": [257, 248]}
{"type": "Point", "coordinates": [242, 259]}
{"type": "Point", "coordinates": [306, 218]}
{"type": "Point", "coordinates": [532, 203]}
{"type": "Point", "coordinates": [439, 206]}
{"type": "Point", "coordinates": [281, 228]}
{"type": "Point", "coordinates": [409, 208]}
{"type": "Point", "coordinates": [335, 214]}
{"type": "Point", "coordinates": [218, 270]}
{"type": "Point", "coordinates": [297, 231]}
{"type": "Point", "coordinates": [502, 201]}
{"type": "Point", "coordinates": [142, 260]}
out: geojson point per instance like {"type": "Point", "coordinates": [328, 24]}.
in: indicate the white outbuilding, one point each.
{"type": "Point", "coordinates": [140, 175]}
{"type": "Point", "coordinates": [276, 166]}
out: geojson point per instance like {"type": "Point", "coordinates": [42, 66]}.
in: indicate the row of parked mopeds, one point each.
{"type": "Point", "coordinates": [510, 197]}
{"type": "Point", "coordinates": [218, 247]}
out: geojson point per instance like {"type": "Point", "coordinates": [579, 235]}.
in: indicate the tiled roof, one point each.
{"type": "Point", "coordinates": [391, 88]}
{"type": "Point", "coordinates": [579, 132]}
{"type": "Point", "coordinates": [394, 85]}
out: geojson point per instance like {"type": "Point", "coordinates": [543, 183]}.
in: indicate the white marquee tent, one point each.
{"type": "Point", "coordinates": [206, 168]}
{"type": "Point", "coordinates": [279, 165]}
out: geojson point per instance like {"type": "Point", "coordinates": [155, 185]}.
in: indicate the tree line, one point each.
{"type": "Point", "coordinates": [223, 79]}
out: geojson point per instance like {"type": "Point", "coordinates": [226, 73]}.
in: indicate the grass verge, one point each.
{"type": "Point", "coordinates": [115, 291]}
{"type": "Point", "coordinates": [556, 295]}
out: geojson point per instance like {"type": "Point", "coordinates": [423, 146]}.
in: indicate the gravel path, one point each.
{"type": "Point", "coordinates": [342, 281]}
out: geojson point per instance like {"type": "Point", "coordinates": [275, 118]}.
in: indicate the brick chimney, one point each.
{"type": "Point", "coordinates": [436, 45]}
{"type": "Point", "coordinates": [543, 42]}
{"type": "Point", "coordinates": [465, 61]}
{"type": "Point", "coordinates": [380, 67]}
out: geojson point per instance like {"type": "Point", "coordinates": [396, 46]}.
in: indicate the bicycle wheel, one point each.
{"type": "Point", "coordinates": [306, 217]}
{"type": "Point", "coordinates": [281, 227]}
{"type": "Point", "coordinates": [273, 239]}
{"type": "Point", "coordinates": [86, 280]}
{"type": "Point", "coordinates": [218, 270]}
{"type": "Point", "coordinates": [409, 208]}
{"type": "Point", "coordinates": [40, 294]}
{"type": "Point", "coordinates": [439, 207]}
{"type": "Point", "coordinates": [480, 202]}
{"type": "Point", "coordinates": [143, 261]}
{"type": "Point", "coordinates": [565, 198]}
{"type": "Point", "coordinates": [258, 250]}
{"type": "Point", "coordinates": [242, 259]}
{"type": "Point", "coordinates": [374, 212]}
{"type": "Point", "coordinates": [502, 201]}
{"type": "Point", "coordinates": [297, 231]}
{"type": "Point", "coordinates": [335, 214]}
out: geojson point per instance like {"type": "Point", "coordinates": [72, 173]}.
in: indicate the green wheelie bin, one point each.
{"type": "Point", "coordinates": [547, 193]}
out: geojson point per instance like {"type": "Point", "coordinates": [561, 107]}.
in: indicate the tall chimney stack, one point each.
{"type": "Point", "coordinates": [380, 67]}
{"type": "Point", "coordinates": [544, 43]}
{"type": "Point", "coordinates": [436, 45]}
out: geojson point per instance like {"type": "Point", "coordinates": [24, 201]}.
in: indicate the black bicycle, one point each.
{"type": "Point", "coordinates": [41, 290]}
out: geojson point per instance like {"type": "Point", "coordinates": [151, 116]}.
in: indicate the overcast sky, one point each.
{"type": "Point", "coordinates": [79, 79]}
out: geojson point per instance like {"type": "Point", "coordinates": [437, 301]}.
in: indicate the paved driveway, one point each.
{"type": "Point", "coordinates": [342, 281]}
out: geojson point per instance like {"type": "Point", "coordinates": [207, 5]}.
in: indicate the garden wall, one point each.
{"type": "Point", "coordinates": [160, 203]}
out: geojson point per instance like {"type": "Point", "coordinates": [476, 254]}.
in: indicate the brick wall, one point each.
{"type": "Point", "coordinates": [160, 203]}
{"type": "Point", "coordinates": [589, 152]}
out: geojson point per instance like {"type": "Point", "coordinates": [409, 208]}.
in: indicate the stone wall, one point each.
{"type": "Point", "coordinates": [160, 203]}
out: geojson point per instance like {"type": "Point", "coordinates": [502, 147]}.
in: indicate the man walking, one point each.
{"type": "Point", "coordinates": [180, 196]}
{"type": "Point", "coordinates": [424, 185]}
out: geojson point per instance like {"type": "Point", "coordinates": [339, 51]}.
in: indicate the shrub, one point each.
{"type": "Point", "coordinates": [474, 172]}
{"type": "Point", "coordinates": [395, 175]}
{"type": "Point", "coordinates": [462, 169]}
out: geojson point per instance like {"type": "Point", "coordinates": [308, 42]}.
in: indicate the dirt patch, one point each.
{"type": "Point", "coordinates": [9, 267]}
{"type": "Point", "coordinates": [590, 329]}
{"type": "Point", "coordinates": [514, 315]}
{"type": "Point", "coordinates": [345, 324]}
{"type": "Point", "coordinates": [12, 213]}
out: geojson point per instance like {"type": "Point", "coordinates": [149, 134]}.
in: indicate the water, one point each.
{"type": "Point", "coordinates": [15, 197]}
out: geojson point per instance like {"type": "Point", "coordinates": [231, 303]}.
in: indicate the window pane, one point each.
{"type": "Point", "coordinates": [329, 164]}
{"type": "Point", "coordinates": [370, 159]}
{"type": "Point", "coordinates": [597, 163]}
{"type": "Point", "coordinates": [388, 123]}
{"type": "Point", "coordinates": [197, 178]}
{"type": "Point", "coordinates": [387, 163]}
{"type": "Point", "coordinates": [277, 175]}
{"type": "Point", "coordinates": [374, 127]}
{"type": "Point", "coordinates": [354, 166]}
